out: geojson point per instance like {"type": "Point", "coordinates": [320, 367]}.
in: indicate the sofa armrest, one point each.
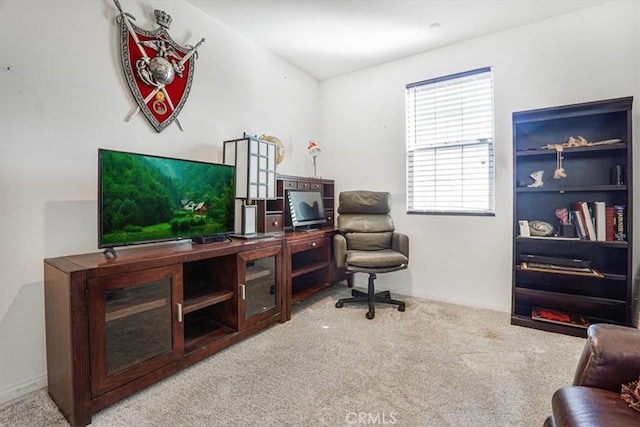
{"type": "Point", "coordinates": [610, 358]}
{"type": "Point", "coordinates": [591, 407]}
{"type": "Point", "coordinates": [400, 243]}
{"type": "Point", "coordinates": [340, 250]}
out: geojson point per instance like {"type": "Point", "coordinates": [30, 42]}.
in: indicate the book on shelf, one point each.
{"type": "Point", "coordinates": [620, 221]}
{"type": "Point", "coordinates": [610, 222]}
{"type": "Point", "coordinates": [545, 259]}
{"type": "Point", "coordinates": [588, 220]}
{"type": "Point", "coordinates": [550, 237]}
{"type": "Point", "coordinates": [600, 218]}
{"type": "Point", "coordinates": [578, 220]}
{"type": "Point", "coordinates": [560, 269]}
{"type": "Point", "coordinates": [559, 317]}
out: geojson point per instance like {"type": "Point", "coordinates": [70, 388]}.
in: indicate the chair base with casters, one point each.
{"type": "Point", "coordinates": [371, 297]}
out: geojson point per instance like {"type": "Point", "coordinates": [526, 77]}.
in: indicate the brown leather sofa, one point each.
{"type": "Point", "coordinates": [611, 358]}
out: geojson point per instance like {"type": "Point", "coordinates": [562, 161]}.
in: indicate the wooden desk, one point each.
{"type": "Point", "coordinates": [308, 265]}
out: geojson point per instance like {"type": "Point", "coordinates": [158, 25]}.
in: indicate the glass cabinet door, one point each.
{"type": "Point", "coordinates": [135, 325]}
{"type": "Point", "coordinates": [259, 285]}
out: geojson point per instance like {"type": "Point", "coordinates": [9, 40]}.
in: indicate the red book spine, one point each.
{"type": "Point", "coordinates": [610, 221]}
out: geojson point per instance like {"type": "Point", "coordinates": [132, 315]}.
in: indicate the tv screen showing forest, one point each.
{"type": "Point", "coordinates": [145, 198]}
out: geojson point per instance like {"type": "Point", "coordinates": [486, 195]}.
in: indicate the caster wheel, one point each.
{"type": "Point", "coordinates": [339, 304]}
{"type": "Point", "coordinates": [401, 307]}
{"type": "Point", "coordinates": [371, 314]}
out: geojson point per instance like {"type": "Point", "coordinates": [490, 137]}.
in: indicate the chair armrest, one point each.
{"type": "Point", "coordinates": [400, 243]}
{"type": "Point", "coordinates": [340, 250]}
{"type": "Point", "coordinates": [610, 358]}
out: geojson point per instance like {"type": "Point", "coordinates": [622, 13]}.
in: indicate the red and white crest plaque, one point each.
{"type": "Point", "coordinates": [159, 71]}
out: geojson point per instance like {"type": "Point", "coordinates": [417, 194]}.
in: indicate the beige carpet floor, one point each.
{"type": "Point", "coordinates": [436, 364]}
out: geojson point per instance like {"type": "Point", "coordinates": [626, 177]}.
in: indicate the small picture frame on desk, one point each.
{"type": "Point", "coordinates": [524, 228]}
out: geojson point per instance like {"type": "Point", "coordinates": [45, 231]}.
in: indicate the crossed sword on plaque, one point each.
{"type": "Point", "coordinates": [159, 86]}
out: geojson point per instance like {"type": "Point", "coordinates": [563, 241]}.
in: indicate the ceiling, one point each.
{"type": "Point", "coordinates": [328, 38]}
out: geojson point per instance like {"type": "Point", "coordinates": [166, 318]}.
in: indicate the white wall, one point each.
{"type": "Point", "coordinates": [584, 56]}
{"type": "Point", "coordinates": [63, 95]}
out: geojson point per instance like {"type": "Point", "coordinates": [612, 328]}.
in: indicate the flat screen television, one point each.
{"type": "Point", "coordinates": [146, 199]}
{"type": "Point", "coordinates": [306, 208]}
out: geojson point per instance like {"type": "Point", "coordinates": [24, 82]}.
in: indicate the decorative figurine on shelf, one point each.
{"type": "Point", "coordinates": [314, 150]}
{"type": "Point", "coordinates": [537, 178]}
{"type": "Point", "coordinates": [159, 71]}
{"type": "Point", "coordinates": [559, 173]}
{"type": "Point", "coordinates": [566, 228]}
{"type": "Point", "coordinates": [572, 142]}
{"type": "Point", "coordinates": [540, 228]}
{"type": "Point", "coordinates": [580, 141]}
{"type": "Point", "coordinates": [563, 215]}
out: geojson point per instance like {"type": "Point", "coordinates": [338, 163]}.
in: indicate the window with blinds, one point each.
{"type": "Point", "coordinates": [450, 159]}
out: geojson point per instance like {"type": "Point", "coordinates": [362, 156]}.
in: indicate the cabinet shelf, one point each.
{"type": "Point", "coordinates": [528, 322]}
{"type": "Point", "coordinates": [305, 292]}
{"type": "Point", "coordinates": [573, 188]}
{"type": "Point", "coordinates": [567, 329]}
{"type": "Point", "coordinates": [586, 149]}
{"type": "Point", "coordinates": [134, 309]}
{"type": "Point", "coordinates": [300, 271]}
{"type": "Point", "coordinates": [254, 273]}
{"type": "Point", "coordinates": [202, 300]}
{"type": "Point", "coordinates": [572, 240]}
{"type": "Point", "coordinates": [563, 298]}
{"type": "Point", "coordinates": [605, 276]}
{"type": "Point", "coordinates": [202, 332]}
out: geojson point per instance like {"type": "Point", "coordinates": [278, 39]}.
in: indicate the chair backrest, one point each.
{"type": "Point", "coordinates": [364, 219]}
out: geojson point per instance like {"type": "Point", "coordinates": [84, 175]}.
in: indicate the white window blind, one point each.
{"type": "Point", "coordinates": [450, 144]}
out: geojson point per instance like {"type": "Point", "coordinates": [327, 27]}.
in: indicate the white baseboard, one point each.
{"type": "Point", "coordinates": [25, 387]}
{"type": "Point", "coordinates": [463, 301]}
{"type": "Point", "coordinates": [438, 297]}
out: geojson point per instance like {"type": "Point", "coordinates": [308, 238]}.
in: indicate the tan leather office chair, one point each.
{"type": "Point", "coordinates": [368, 243]}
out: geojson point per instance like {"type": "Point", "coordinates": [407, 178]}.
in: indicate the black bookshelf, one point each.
{"type": "Point", "coordinates": [589, 166]}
